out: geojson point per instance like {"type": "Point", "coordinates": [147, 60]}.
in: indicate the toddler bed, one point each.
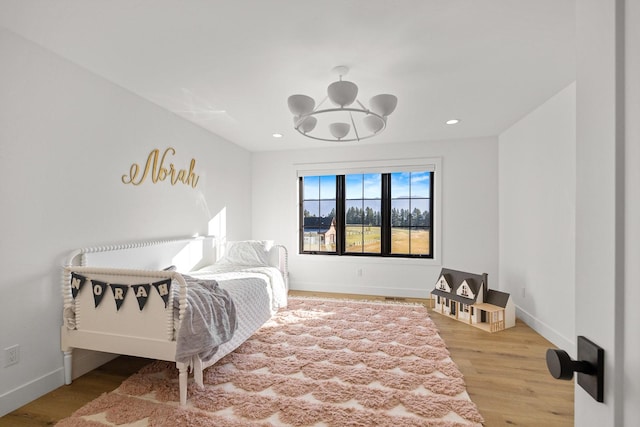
{"type": "Point", "coordinates": [190, 301]}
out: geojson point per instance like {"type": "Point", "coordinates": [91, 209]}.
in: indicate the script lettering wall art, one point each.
{"type": "Point", "coordinates": [156, 167]}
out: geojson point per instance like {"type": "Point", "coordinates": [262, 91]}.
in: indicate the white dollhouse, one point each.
{"type": "Point", "coordinates": [467, 298]}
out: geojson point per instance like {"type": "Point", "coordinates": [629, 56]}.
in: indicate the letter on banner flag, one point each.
{"type": "Point", "coordinates": [98, 291]}
{"type": "Point", "coordinates": [77, 281]}
{"type": "Point", "coordinates": [142, 293]}
{"type": "Point", "coordinates": [119, 294]}
{"type": "Point", "coordinates": [163, 289]}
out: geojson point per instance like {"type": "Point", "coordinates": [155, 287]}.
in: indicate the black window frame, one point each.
{"type": "Point", "coordinates": [386, 225]}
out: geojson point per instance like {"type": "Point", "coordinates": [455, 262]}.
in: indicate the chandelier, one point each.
{"type": "Point", "coordinates": [346, 121]}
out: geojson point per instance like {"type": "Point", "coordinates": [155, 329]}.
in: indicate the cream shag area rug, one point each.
{"type": "Point", "coordinates": [320, 362]}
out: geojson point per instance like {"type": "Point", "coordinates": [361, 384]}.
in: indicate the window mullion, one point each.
{"type": "Point", "coordinates": [385, 232]}
{"type": "Point", "coordinates": [301, 214]}
{"type": "Point", "coordinates": [340, 214]}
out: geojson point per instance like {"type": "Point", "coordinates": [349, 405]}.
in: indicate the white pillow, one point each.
{"type": "Point", "coordinates": [247, 252]}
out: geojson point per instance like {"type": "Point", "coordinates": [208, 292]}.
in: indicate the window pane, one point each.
{"type": "Point", "coordinates": [328, 187]}
{"type": "Point", "coordinates": [421, 184]}
{"type": "Point", "coordinates": [353, 238]}
{"type": "Point", "coordinates": [400, 240]}
{"type": "Point", "coordinates": [363, 239]}
{"type": "Point", "coordinates": [311, 208]}
{"type": "Point", "coordinates": [310, 240]}
{"type": "Point", "coordinates": [319, 234]}
{"type": "Point", "coordinates": [419, 211]}
{"type": "Point", "coordinates": [410, 241]}
{"type": "Point", "coordinates": [311, 187]}
{"type": "Point", "coordinates": [372, 239]}
{"type": "Point", "coordinates": [420, 241]}
{"type": "Point", "coordinates": [400, 213]}
{"type": "Point", "coordinates": [328, 208]}
{"type": "Point", "coordinates": [372, 214]}
{"type": "Point", "coordinates": [353, 186]}
{"type": "Point", "coordinates": [372, 186]}
{"type": "Point", "coordinates": [353, 212]}
{"type": "Point", "coordinates": [400, 182]}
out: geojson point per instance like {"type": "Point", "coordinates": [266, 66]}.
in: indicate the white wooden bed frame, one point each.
{"type": "Point", "coordinates": [130, 331]}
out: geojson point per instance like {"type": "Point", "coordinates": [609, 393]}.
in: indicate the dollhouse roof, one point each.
{"type": "Point", "coordinates": [455, 279]}
{"type": "Point", "coordinates": [497, 298]}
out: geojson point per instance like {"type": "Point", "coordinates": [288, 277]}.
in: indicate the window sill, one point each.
{"type": "Point", "coordinates": [363, 259]}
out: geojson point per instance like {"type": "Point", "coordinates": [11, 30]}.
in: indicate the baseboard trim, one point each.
{"type": "Point", "coordinates": [83, 362]}
{"type": "Point", "coordinates": [342, 288]}
{"type": "Point", "coordinates": [547, 331]}
{"type": "Point", "coordinates": [20, 396]}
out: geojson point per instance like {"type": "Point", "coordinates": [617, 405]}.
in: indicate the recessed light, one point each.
{"type": "Point", "coordinates": [452, 122]}
{"type": "Point", "coordinates": [277, 135]}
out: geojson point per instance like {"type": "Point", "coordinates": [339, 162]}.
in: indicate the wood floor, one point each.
{"type": "Point", "coordinates": [505, 373]}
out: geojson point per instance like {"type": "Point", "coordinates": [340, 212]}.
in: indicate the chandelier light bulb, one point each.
{"type": "Point", "coordinates": [339, 130]}
{"type": "Point", "coordinates": [383, 104]}
{"type": "Point", "coordinates": [308, 124]}
{"type": "Point", "coordinates": [374, 124]}
{"type": "Point", "coordinates": [301, 104]}
{"type": "Point", "coordinates": [342, 93]}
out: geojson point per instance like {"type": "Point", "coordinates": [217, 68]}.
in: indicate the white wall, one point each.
{"type": "Point", "coordinates": [66, 138]}
{"type": "Point", "coordinates": [537, 217]}
{"type": "Point", "coordinates": [469, 203]}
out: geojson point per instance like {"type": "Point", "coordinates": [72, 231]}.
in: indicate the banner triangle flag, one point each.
{"type": "Point", "coordinates": [142, 294]}
{"type": "Point", "coordinates": [119, 294]}
{"type": "Point", "coordinates": [98, 291]}
{"type": "Point", "coordinates": [163, 289]}
{"type": "Point", "coordinates": [77, 281]}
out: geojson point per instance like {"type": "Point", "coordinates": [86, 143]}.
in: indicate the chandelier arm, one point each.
{"type": "Point", "coordinates": [356, 110]}
{"type": "Point", "coordinates": [321, 102]}
{"type": "Point", "coordinates": [335, 139]}
{"type": "Point", "coordinates": [362, 106]}
{"type": "Point", "coordinates": [350, 109]}
{"type": "Point", "coordinates": [353, 123]}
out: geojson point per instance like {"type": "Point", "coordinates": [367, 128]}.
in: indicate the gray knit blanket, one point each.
{"type": "Point", "coordinates": [209, 321]}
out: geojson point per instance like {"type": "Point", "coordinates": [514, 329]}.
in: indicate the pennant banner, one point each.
{"type": "Point", "coordinates": [142, 294]}
{"type": "Point", "coordinates": [119, 294]}
{"type": "Point", "coordinates": [77, 281]}
{"type": "Point", "coordinates": [163, 289]}
{"type": "Point", "coordinates": [141, 291]}
{"type": "Point", "coordinates": [98, 291]}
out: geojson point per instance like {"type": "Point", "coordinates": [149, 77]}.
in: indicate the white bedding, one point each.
{"type": "Point", "coordinates": [254, 289]}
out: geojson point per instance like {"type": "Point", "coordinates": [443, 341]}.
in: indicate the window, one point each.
{"type": "Point", "coordinates": [373, 214]}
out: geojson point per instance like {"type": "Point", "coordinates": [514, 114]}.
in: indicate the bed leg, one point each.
{"type": "Point", "coordinates": [67, 366]}
{"type": "Point", "coordinates": [197, 371]}
{"type": "Point", "coordinates": [183, 377]}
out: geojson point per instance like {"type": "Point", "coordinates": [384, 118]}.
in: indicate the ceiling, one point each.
{"type": "Point", "coordinates": [229, 65]}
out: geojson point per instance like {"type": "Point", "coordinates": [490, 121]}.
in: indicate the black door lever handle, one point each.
{"type": "Point", "coordinates": [562, 367]}
{"type": "Point", "coordinates": [590, 367]}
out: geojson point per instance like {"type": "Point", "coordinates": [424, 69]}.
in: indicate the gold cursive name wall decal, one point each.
{"type": "Point", "coordinates": [155, 167]}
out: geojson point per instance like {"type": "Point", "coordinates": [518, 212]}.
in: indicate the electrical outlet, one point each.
{"type": "Point", "coordinates": [359, 272]}
{"type": "Point", "coordinates": [11, 355]}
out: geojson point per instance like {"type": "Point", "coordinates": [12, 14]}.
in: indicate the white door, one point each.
{"type": "Point", "coordinates": [607, 203]}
